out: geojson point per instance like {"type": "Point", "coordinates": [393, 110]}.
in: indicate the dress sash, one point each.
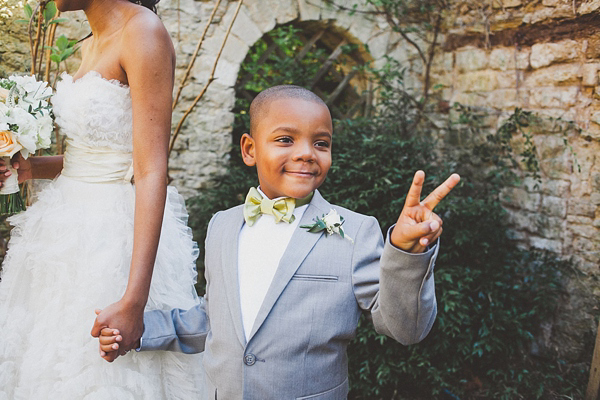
{"type": "Point", "coordinates": [97, 164]}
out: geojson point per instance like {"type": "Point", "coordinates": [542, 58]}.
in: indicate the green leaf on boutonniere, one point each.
{"type": "Point", "coordinates": [330, 223]}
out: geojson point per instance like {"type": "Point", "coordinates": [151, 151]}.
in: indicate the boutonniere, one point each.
{"type": "Point", "coordinates": [331, 223]}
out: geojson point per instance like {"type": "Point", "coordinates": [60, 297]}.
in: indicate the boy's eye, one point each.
{"type": "Point", "coordinates": [322, 143]}
{"type": "Point", "coordinates": [284, 139]}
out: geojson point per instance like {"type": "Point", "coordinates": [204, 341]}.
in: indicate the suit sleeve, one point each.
{"type": "Point", "coordinates": [395, 286]}
{"type": "Point", "coordinates": [179, 330]}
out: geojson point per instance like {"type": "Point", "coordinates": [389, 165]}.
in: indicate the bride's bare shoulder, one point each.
{"type": "Point", "coordinates": [144, 30]}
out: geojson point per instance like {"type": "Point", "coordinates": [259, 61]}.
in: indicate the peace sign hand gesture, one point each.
{"type": "Point", "coordinates": [418, 225]}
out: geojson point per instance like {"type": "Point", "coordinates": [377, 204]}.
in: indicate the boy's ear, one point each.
{"type": "Point", "coordinates": [248, 150]}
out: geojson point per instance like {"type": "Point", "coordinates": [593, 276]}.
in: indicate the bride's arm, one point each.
{"type": "Point", "coordinates": [148, 59]}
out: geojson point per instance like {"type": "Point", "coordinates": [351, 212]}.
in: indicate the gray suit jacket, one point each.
{"type": "Point", "coordinates": [297, 347]}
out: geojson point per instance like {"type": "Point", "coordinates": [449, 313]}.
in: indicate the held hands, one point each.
{"type": "Point", "coordinates": [418, 225]}
{"type": "Point", "coordinates": [129, 318]}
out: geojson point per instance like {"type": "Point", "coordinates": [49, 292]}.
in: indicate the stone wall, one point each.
{"type": "Point", "coordinates": [555, 77]}
{"type": "Point", "coordinates": [542, 56]}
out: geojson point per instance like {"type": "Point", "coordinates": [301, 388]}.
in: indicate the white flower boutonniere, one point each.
{"type": "Point", "coordinates": [331, 223]}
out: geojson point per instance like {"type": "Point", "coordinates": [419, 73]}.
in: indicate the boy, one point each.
{"type": "Point", "coordinates": [285, 291]}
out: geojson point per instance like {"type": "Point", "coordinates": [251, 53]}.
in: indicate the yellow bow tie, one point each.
{"type": "Point", "coordinates": [282, 209]}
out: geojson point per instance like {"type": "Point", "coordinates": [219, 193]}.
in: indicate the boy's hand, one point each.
{"type": "Point", "coordinates": [418, 225]}
{"type": "Point", "coordinates": [109, 343]}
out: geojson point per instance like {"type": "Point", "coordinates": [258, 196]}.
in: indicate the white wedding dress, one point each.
{"type": "Point", "coordinates": [70, 253]}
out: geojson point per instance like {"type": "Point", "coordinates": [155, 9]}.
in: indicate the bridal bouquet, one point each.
{"type": "Point", "coordinates": [26, 125]}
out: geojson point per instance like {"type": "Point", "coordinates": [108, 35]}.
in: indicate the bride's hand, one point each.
{"type": "Point", "coordinates": [128, 318]}
{"type": "Point", "coordinates": [19, 163]}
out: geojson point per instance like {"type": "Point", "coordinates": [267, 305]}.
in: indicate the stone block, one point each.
{"type": "Point", "coordinates": [245, 29]}
{"type": "Point", "coordinates": [509, 79]}
{"type": "Point", "coordinates": [554, 206]}
{"type": "Point", "coordinates": [227, 72]}
{"type": "Point", "coordinates": [588, 6]}
{"type": "Point", "coordinates": [580, 188]}
{"type": "Point", "coordinates": [511, 3]}
{"type": "Point", "coordinates": [285, 10]}
{"type": "Point", "coordinates": [504, 58]}
{"type": "Point", "coordinates": [443, 62]}
{"type": "Point", "coordinates": [310, 9]}
{"type": "Point", "coordinates": [586, 231]}
{"type": "Point", "coordinates": [550, 227]}
{"type": "Point", "coordinates": [579, 220]}
{"type": "Point", "coordinates": [520, 198]}
{"type": "Point", "coordinates": [551, 3]}
{"type": "Point", "coordinates": [507, 98]}
{"type": "Point", "coordinates": [554, 75]}
{"type": "Point", "coordinates": [584, 245]}
{"type": "Point", "coordinates": [550, 146]}
{"type": "Point", "coordinates": [554, 97]}
{"type": "Point", "coordinates": [521, 220]}
{"type": "Point", "coordinates": [544, 54]}
{"type": "Point", "coordinates": [549, 13]}
{"type": "Point", "coordinates": [554, 246]}
{"type": "Point", "coordinates": [582, 207]}
{"type": "Point", "coordinates": [471, 59]}
{"type": "Point", "coordinates": [235, 50]}
{"type": "Point", "coordinates": [363, 31]}
{"type": "Point", "coordinates": [558, 167]}
{"type": "Point", "coordinates": [379, 45]}
{"type": "Point", "coordinates": [468, 99]}
{"type": "Point", "coordinates": [589, 73]}
{"type": "Point", "coordinates": [263, 15]}
{"type": "Point", "coordinates": [556, 188]}
{"type": "Point", "coordinates": [477, 81]}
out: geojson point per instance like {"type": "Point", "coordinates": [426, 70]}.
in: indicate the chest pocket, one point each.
{"type": "Point", "coordinates": [315, 278]}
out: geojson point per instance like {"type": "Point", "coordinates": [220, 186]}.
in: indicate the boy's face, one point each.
{"type": "Point", "coordinates": [290, 146]}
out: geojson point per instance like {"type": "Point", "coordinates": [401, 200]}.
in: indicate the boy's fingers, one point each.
{"type": "Point", "coordinates": [109, 332]}
{"type": "Point", "coordinates": [427, 240]}
{"type": "Point", "coordinates": [422, 229]}
{"type": "Point", "coordinates": [106, 340]}
{"type": "Point", "coordinates": [108, 348]}
{"type": "Point", "coordinates": [441, 191]}
{"type": "Point", "coordinates": [413, 197]}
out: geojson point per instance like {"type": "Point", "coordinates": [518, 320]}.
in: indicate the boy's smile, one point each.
{"type": "Point", "coordinates": [290, 146]}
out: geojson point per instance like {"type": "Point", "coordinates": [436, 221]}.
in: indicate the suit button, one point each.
{"type": "Point", "coordinates": [249, 359]}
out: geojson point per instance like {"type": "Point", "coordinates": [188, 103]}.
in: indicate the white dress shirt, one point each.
{"type": "Point", "coordinates": [260, 249]}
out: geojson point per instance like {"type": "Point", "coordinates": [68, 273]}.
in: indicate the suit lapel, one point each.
{"type": "Point", "coordinates": [230, 270]}
{"type": "Point", "coordinates": [300, 245]}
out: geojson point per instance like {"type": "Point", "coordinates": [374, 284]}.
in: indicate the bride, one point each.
{"type": "Point", "coordinates": [91, 240]}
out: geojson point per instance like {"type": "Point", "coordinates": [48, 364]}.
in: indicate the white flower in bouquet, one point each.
{"type": "Point", "coordinates": [26, 125]}
{"type": "Point", "coordinates": [45, 129]}
{"type": "Point", "coordinates": [28, 93]}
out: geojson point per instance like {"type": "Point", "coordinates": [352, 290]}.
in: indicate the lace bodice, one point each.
{"type": "Point", "coordinates": [94, 111]}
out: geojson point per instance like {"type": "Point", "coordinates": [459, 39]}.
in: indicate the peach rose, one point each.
{"type": "Point", "coordinates": [8, 144]}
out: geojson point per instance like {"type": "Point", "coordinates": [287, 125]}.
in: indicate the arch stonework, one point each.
{"type": "Point", "coordinates": [202, 148]}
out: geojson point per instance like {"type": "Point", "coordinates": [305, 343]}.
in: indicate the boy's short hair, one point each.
{"type": "Point", "coordinates": [258, 105]}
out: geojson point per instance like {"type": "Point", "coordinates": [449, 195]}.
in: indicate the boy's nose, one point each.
{"type": "Point", "coordinates": [304, 152]}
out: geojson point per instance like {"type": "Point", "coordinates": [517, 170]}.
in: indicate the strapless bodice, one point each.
{"type": "Point", "coordinates": [94, 111]}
